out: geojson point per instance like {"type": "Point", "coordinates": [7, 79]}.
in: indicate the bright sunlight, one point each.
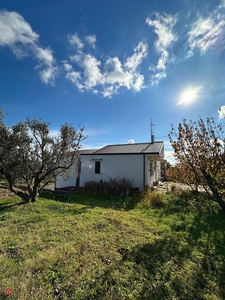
{"type": "Point", "coordinates": [188, 95]}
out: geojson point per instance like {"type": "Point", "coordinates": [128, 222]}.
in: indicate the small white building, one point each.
{"type": "Point", "coordinates": [139, 162]}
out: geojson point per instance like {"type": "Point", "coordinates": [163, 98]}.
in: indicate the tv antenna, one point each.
{"type": "Point", "coordinates": [152, 130]}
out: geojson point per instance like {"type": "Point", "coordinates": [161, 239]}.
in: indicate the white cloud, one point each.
{"type": "Point", "coordinates": [48, 74]}
{"type": "Point", "coordinates": [162, 60]}
{"type": "Point", "coordinates": [18, 35]}
{"type": "Point", "coordinates": [163, 26]}
{"type": "Point", "coordinates": [14, 29]}
{"type": "Point", "coordinates": [205, 33]}
{"type": "Point", "coordinates": [169, 156]}
{"type": "Point", "coordinates": [109, 91]}
{"type": "Point", "coordinates": [140, 53]}
{"type": "Point", "coordinates": [75, 78]}
{"type": "Point", "coordinates": [221, 112]}
{"type": "Point", "coordinates": [107, 77]}
{"type": "Point", "coordinates": [131, 141]}
{"type": "Point", "coordinates": [75, 40]}
{"type": "Point", "coordinates": [91, 70]}
{"type": "Point", "coordinates": [114, 73]}
{"type": "Point", "coordinates": [208, 32]}
{"type": "Point", "coordinates": [44, 55]}
{"type": "Point", "coordinates": [67, 66]}
{"type": "Point", "coordinates": [156, 78]}
{"type": "Point", "coordinates": [222, 4]}
{"type": "Point", "coordinates": [91, 40]}
{"type": "Point", "coordinates": [138, 83]}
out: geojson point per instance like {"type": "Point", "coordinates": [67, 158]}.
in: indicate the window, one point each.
{"type": "Point", "coordinates": [97, 167]}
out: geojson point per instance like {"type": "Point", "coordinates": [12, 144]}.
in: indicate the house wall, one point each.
{"type": "Point", "coordinates": [135, 167]}
{"type": "Point", "coordinates": [130, 166]}
{"type": "Point", "coordinates": [66, 179]}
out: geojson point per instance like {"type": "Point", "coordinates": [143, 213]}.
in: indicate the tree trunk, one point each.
{"type": "Point", "coordinates": [35, 190]}
{"type": "Point", "coordinates": [217, 198]}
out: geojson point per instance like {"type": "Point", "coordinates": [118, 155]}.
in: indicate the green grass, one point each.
{"type": "Point", "coordinates": [86, 247]}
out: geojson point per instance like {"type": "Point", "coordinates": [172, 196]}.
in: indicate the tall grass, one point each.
{"type": "Point", "coordinates": [151, 199]}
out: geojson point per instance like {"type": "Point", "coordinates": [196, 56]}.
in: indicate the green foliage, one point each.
{"type": "Point", "coordinates": [151, 199]}
{"type": "Point", "coordinates": [79, 247]}
{"type": "Point", "coordinates": [30, 154]}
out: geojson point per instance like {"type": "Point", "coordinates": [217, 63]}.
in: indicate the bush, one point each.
{"type": "Point", "coordinates": [151, 199]}
{"type": "Point", "coordinates": [117, 186]}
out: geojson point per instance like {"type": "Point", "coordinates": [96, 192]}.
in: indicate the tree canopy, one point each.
{"type": "Point", "coordinates": [29, 153]}
{"type": "Point", "coordinates": [199, 151]}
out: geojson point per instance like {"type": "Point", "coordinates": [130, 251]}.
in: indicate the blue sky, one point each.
{"type": "Point", "coordinates": [110, 66]}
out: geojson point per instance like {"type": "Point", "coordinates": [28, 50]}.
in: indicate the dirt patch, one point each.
{"type": "Point", "coordinates": [5, 193]}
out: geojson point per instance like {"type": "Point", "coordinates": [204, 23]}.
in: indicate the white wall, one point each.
{"type": "Point", "coordinates": [68, 179]}
{"type": "Point", "coordinates": [130, 166]}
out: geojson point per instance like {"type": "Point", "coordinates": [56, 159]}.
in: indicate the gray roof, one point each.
{"type": "Point", "coordinates": [148, 148]}
{"type": "Point", "coordinates": [87, 151]}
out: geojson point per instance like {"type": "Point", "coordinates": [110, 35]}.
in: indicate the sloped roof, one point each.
{"type": "Point", "coordinates": [145, 148]}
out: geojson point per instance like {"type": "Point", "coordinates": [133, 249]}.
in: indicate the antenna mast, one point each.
{"type": "Point", "coordinates": [152, 131]}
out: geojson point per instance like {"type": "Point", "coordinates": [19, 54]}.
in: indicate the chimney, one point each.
{"type": "Point", "coordinates": [152, 131]}
{"type": "Point", "coordinates": [152, 138]}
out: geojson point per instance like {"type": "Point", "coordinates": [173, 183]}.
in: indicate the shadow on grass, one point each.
{"type": "Point", "coordinates": [6, 206]}
{"type": "Point", "coordinates": [90, 200]}
{"type": "Point", "coordinates": [3, 295]}
{"type": "Point", "coordinates": [164, 269]}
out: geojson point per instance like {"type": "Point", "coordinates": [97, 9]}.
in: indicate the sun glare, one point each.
{"type": "Point", "coordinates": [189, 95]}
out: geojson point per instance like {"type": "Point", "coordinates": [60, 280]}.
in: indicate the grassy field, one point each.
{"type": "Point", "coordinates": [87, 247]}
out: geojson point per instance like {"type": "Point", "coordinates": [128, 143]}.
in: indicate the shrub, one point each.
{"type": "Point", "coordinates": [117, 186]}
{"type": "Point", "coordinates": [151, 199]}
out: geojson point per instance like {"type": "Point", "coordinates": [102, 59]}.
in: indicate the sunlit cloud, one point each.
{"type": "Point", "coordinates": [156, 78]}
{"type": "Point", "coordinates": [91, 40]}
{"type": "Point", "coordinates": [67, 66]}
{"type": "Point", "coordinates": [169, 156]}
{"type": "Point", "coordinates": [163, 25]}
{"type": "Point", "coordinates": [207, 32]}
{"type": "Point", "coordinates": [221, 112]}
{"type": "Point", "coordinates": [18, 35]}
{"type": "Point", "coordinates": [75, 40]}
{"type": "Point", "coordinates": [106, 77]}
{"type": "Point", "coordinates": [140, 53]}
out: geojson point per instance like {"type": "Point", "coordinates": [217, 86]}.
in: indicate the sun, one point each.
{"type": "Point", "coordinates": [187, 96]}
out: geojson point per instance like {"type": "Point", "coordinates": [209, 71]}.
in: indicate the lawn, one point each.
{"type": "Point", "coordinates": [79, 246]}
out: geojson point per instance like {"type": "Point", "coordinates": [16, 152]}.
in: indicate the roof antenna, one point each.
{"type": "Point", "coordinates": [152, 131]}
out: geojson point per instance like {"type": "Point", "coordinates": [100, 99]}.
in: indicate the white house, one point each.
{"type": "Point", "coordinates": [140, 162]}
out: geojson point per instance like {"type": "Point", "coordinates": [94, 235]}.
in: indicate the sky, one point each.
{"type": "Point", "coordinates": [113, 66]}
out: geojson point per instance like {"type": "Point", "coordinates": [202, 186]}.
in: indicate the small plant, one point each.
{"type": "Point", "coordinates": [173, 188]}
{"type": "Point", "coordinates": [151, 200]}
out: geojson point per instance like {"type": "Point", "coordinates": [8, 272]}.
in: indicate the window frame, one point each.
{"type": "Point", "coordinates": [97, 167]}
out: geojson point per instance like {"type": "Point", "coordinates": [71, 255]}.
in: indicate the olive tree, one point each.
{"type": "Point", "coordinates": [199, 151]}
{"type": "Point", "coordinates": [29, 153]}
